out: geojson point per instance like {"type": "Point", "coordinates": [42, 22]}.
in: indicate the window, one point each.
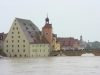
{"type": "Point", "coordinates": [33, 45]}
{"type": "Point", "coordinates": [30, 24]}
{"type": "Point", "coordinates": [17, 28]}
{"type": "Point", "coordinates": [46, 33]}
{"type": "Point", "coordinates": [18, 32]}
{"type": "Point", "coordinates": [25, 55]}
{"type": "Point", "coordinates": [44, 45]}
{"type": "Point", "coordinates": [44, 50]}
{"type": "Point", "coordinates": [23, 40]}
{"type": "Point", "coordinates": [12, 32]}
{"type": "Point", "coordinates": [18, 40]}
{"type": "Point", "coordinates": [40, 50]}
{"type": "Point", "coordinates": [7, 50]}
{"type": "Point", "coordinates": [7, 45]}
{"type": "Point", "coordinates": [18, 45]}
{"type": "Point", "coordinates": [24, 23]}
{"type": "Point", "coordinates": [20, 55]}
{"type": "Point", "coordinates": [12, 45]}
{"type": "Point", "coordinates": [7, 40]}
{"type": "Point", "coordinates": [18, 50]}
{"type": "Point", "coordinates": [24, 50]}
{"type": "Point", "coordinates": [26, 28]}
{"type": "Point", "coordinates": [13, 28]}
{"type": "Point", "coordinates": [29, 32]}
{"type": "Point", "coordinates": [12, 40]}
{"type": "Point", "coordinates": [15, 23]}
{"type": "Point", "coordinates": [33, 28]}
{"type": "Point", "coordinates": [31, 36]}
{"type": "Point", "coordinates": [40, 45]}
{"type": "Point", "coordinates": [18, 36]}
{"type": "Point", "coordinates": [12, 37]}
{"type": "Point", "coordinates": [23, 45]}
{"type": "Point", "coordinates": [36, 32]}
{"type": "Point", "coordinates": [12, 50]}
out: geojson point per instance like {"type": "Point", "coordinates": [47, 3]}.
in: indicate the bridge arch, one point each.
{"type": "Point", "coordinates": [75, 52]}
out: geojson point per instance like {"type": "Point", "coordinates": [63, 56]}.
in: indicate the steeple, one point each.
{"type": "Point", "coordinates": [81, 38]}
{"type": "Point", "coordinates": [47, 19]}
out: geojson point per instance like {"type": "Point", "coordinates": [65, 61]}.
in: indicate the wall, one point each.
{"type": "Point", "coordinates": [1, 44]}
{"type": "Point", "coordinates": [11, 44]}
{"type": "Point", "coordinates": [76, 46]}
{"type": "Point", "coordinates": [56, 45]}
{"type": "Point", "coordinates": [49, 36]}
{"type": "Point", "coordinates": [40, 50]}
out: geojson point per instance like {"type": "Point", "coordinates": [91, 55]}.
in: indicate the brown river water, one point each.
{"type": "Point", "coordinates": [61, 65]}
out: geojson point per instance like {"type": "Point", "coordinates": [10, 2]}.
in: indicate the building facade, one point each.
{"type": "Point", "coordinates": [68, 43]}
{"type": "Point", "coordinates": [2, 38]}
{"type": "Point", "coordinates": [40, 50]}
{"type": "Point", "coordinates": [24, 39]}
{"type": "Point", "coordinates": [56, 43]}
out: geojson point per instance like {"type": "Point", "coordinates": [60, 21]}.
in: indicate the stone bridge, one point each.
{"type": "Point", "coordinates": [75, 52]}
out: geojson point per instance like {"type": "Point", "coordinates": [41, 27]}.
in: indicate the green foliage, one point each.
{"type": "Point", "coordinates": [88, 47]}
{"type": "Point", "coordinates": [96, 45]}
{"type": "Point", "coordinates": [0, 51]}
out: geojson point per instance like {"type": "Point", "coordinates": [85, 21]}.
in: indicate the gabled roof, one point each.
{"type": "Point", "coordinates": [30, 30]}
{"type": "Point", "coordinates": [67, 41]}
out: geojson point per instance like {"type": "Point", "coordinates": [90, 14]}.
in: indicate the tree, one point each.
{"type": "Point", "coordinates": [95, 45]}
{"type": "Point", "coordinates": [0, 51]}
{"type": "Point", "coordinates": [88, 47]}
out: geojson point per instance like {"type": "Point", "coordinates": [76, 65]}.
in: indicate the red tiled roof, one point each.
{"type": "Point", "coordinates": [67, 41]}
{"type": "Point", "coordinates": [48, 26]}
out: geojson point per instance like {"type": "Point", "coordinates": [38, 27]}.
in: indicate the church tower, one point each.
{"type": "Point", "coordinates": [47, 31]}
{"type": "Point", "coordinates": [81, 38]}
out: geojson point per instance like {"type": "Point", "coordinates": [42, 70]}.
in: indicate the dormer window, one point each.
{"type": "Point", "coordinates": [31, 36]}
{"type": "Point", "coordinates": [36, 32]}
{"type": "Point", "coordinates": [34, 40]}
{"type": "Point", "coordinates": [24, 23]}
{"type": "Point", "coordinates": [30, 25]}
{"type": "Point", "coordinates": [26, 28]}
{"type": "Point", "coordinates": [29, 32]}
{"type": "Point", "coordinates": [33, 28]}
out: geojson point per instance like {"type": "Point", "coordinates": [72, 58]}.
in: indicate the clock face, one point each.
{"type": "Point", "coordinates": [46, 33]}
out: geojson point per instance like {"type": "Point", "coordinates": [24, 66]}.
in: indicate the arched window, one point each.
{"type": "Point", "coordinates": [20, 55]}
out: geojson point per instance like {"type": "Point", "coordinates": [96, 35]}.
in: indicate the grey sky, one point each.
{"type": "Point", "coordinates": [70, 18]}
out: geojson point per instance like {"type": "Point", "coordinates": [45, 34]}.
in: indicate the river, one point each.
{"type": "Point", "coordinates": [61, 65]}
